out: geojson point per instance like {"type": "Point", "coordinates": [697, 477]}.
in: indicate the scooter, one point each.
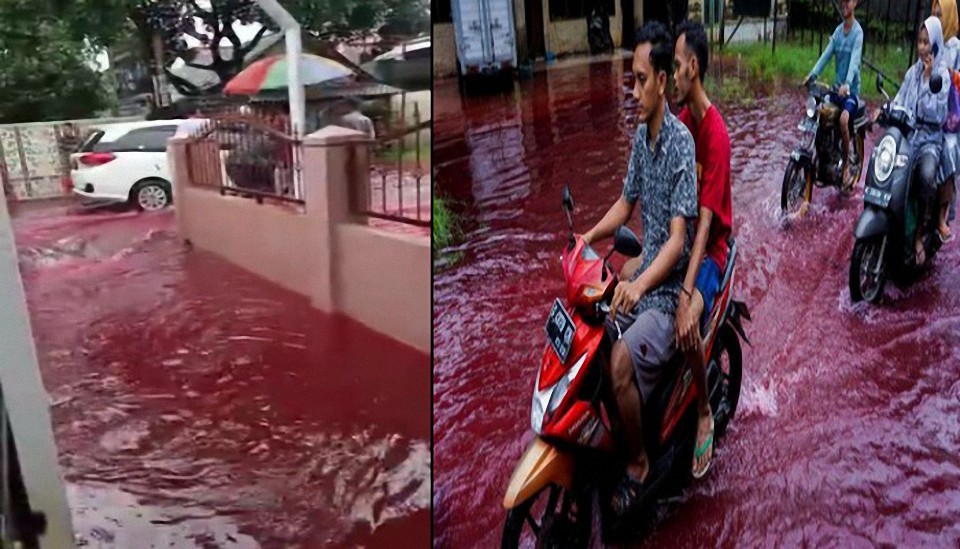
{"type": "Point", "coordinates": [818, 159]}
{"type": "Point", "coordinates": [885, 241]}
{"type": "Point", "coordinates": [575, 451]}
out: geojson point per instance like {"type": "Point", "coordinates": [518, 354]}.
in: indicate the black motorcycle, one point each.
{"type": "Point", "coordinates": [886, 231]}
{"type": "Point", "coordinates": [818, 160]}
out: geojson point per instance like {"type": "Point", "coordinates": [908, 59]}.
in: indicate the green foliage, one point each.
{"type": "Point", "coordinates": [445, 226]}
{"type": "Point", "coordinates": [793, 62]}
{"type": "Point", "coordinates": [45, 71]}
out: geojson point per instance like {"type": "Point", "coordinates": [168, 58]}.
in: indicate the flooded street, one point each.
{"type": "Point", "coordinates": [847, 433]}
{"type": "Point", "coordinates": [196, 405]}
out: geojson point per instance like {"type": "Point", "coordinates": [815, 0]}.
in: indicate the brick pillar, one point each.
{"type": "Point", "coordinates": [336, 175]}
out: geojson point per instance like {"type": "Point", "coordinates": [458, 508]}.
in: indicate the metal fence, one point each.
{"type": "Point", "coordinates": [399, 189]}
{"type": "Point", "coordinates": [256, 155]}
{"type": "Point", "coordinates": [253, 156]}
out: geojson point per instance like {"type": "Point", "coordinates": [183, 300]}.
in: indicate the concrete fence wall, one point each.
{"type": "Point", "coordinates": [322, 250]}
{"type": "Point", "coordinates": [34, 156]}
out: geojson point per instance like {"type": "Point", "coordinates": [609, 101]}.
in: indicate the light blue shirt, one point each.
{"type": "Point", "coordinates": [847, 49]}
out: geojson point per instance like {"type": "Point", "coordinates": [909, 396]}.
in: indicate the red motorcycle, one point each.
{"type": "Point", "coordinates": [575, 451]}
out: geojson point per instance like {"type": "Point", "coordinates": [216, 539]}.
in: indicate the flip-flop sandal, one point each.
{"type": "Point", "coordinates": [702, 449]}
{"type": "Point", "coordinates": [629, 493]}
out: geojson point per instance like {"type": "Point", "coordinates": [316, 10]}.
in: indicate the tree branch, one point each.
{"type": "Point", "coordinates": [184, 86]}
{"type": "Point", "coordinates": [231, 34]}
{"type": "Point", "coordinates": [242, 52]}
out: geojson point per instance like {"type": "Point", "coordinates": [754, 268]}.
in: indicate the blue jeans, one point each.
{"type": "Point", "coordinates": [708, 284]}
{"type": "Point", "coordinates": [848, 103]}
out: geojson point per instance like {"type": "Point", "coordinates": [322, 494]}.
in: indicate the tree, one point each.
{"type": "Point", "coordinates": [105, 23]}
{"type": "Point", "coordinates": [45, 70]}
{"type": "Point", "coordinates": [337, 20]}
{"type": "Point", "coordinates": [171, 21]}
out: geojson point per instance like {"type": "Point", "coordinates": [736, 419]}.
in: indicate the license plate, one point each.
{"type": "Point", "coordinates": [876, 197]}
{"type": "Point", "coordinates": [560, 330]}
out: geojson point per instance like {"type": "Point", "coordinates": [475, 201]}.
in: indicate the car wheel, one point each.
{"type": "Point", "coordinates": [151, 195]}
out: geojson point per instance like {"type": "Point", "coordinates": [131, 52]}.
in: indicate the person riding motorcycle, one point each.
{"type": "Point", "coordinates": [930, 110]}
{"type": "Point", "coordinates": [846, 47]}
{"type": "Point", "coordinates": [946, 11]}
{"type": "Point", "coordinates": [662, 174]}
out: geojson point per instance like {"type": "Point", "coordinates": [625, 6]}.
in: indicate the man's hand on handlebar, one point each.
{"type": "Point", "coordinates": [844, 90]}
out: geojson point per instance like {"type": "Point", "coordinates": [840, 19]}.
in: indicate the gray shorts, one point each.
{"type": "Point", "coordinates": [649, 337]}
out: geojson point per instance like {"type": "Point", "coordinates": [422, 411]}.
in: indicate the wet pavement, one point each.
{"type": "Point", "coordinates": [196, 405]}
{"type": "Point", "coordinates": [847, 431]}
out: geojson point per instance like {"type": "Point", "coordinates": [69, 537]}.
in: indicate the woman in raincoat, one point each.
{"type": "Point", "coordinates": [930, 110]}
{"type": "Point", "coordinates": [946, 10]}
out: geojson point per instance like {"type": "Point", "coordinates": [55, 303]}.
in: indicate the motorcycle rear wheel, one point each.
{"type": "Point", "coordinates": [865, 282]}
{"type": "Point", "coordinates": [555, 529]}
{"type": "Point", "coordinates": [797, 187]}
{"type": "Point", "coordinates": [724, 377]}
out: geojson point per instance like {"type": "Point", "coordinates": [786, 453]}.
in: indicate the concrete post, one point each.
{"type": "Point", "coordinates": [179, 171]}
{"type": "Point", "coordinates": [27, 400]}
{"type": "Point", "coordinates": [336, 175]}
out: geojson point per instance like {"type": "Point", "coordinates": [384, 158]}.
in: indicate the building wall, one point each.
{"type": "Point", "coordinates": [444, 51]}
{"type": "Point", "coordinates": [568, 37]}
{"type": "Point", "coordinates": [376, 277]}
{"type": "Point", "coordinates": [560, 37]}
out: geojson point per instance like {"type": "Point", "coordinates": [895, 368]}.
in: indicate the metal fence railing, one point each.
{"type": "Point", "coordinates": [890, 26]}
{"type": "Point", "coordinates": [399, 189]}
{"type": "Point", "coordinates": [251, 156]}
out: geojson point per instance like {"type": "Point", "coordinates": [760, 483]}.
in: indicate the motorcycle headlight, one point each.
{"type": "Point", "coordinates": [811, 106]}
{"type": "Point", "coordinates": [884, 159]}
{"type": "Point", "coordinates": [549, 399]}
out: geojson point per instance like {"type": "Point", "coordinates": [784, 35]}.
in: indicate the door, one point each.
{"type": "Point", "coordinates": [468, 21]}
{"type": "Point", "coordinates": [629, 28]}
{"type": "Point", "coordinates": [536, 49]}
{"type": "Point", "coordinates": [502, 42]}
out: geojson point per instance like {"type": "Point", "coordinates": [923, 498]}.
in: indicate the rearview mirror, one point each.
{"type": "Point", "coordinates": [936, 83]}
{"type": "Point", "coordinates": [626, 243]}
{"type": "Point", "coordinates": [567, 199]}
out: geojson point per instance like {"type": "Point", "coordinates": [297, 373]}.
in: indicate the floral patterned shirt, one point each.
{"type": "Point", "coordinates": [663, 177]}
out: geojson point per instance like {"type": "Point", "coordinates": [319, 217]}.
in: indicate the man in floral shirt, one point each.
{"type": "Point", "coordinates": [662, 176]}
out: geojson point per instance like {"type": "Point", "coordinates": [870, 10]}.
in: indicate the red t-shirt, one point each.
{"type": "Point", "coordinates": [713, 178]}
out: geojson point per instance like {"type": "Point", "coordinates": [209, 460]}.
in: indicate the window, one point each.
{"type": "Point", "coordinates": [441, 10]}
{"type": "Point", "coordinates": [152, 139]}
{"type": "Point", "coordinates": [91, 141]}
{"type": "Point", "coordinates": [561, 10]}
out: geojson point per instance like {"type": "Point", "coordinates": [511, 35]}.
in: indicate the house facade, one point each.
{"type": "Point", "coordinates": [559, 27]}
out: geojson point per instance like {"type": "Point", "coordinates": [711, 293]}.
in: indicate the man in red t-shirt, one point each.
{"type": "Point", "coordinates": [708, 260]}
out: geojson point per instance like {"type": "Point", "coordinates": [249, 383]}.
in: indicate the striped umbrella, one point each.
{"type": "Point", "coordinates": [270, 73]}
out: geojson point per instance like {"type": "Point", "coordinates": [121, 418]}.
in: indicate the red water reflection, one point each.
{"type": "Point", "coordinates": [196, 405]}
{"type": "Point", "coordinates": [847, 432]}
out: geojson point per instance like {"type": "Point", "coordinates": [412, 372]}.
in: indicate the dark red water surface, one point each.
{"type": "Point", "coordinates": [847, 432]}
{"type": "Point", "coordinates": [196, 405]}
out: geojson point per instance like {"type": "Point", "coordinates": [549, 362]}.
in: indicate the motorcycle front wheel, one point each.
{"type": "Point", "coordinates": [856, 168]}
{"type": "Point", "coordinates": [797, 187]}
{"type": "Point", "coordinates": [867, 275]}
{"type": "Point", "coordinates": [555, 517]}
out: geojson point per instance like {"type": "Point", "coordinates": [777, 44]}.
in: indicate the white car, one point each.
{"type": "Point", "coordinates": [126, 163]}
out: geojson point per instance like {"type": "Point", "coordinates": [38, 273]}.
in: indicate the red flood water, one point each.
{"type": "Point", "coordinates": [196, 405]}
{"type": "Point", "coordinates": [847, 432]}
